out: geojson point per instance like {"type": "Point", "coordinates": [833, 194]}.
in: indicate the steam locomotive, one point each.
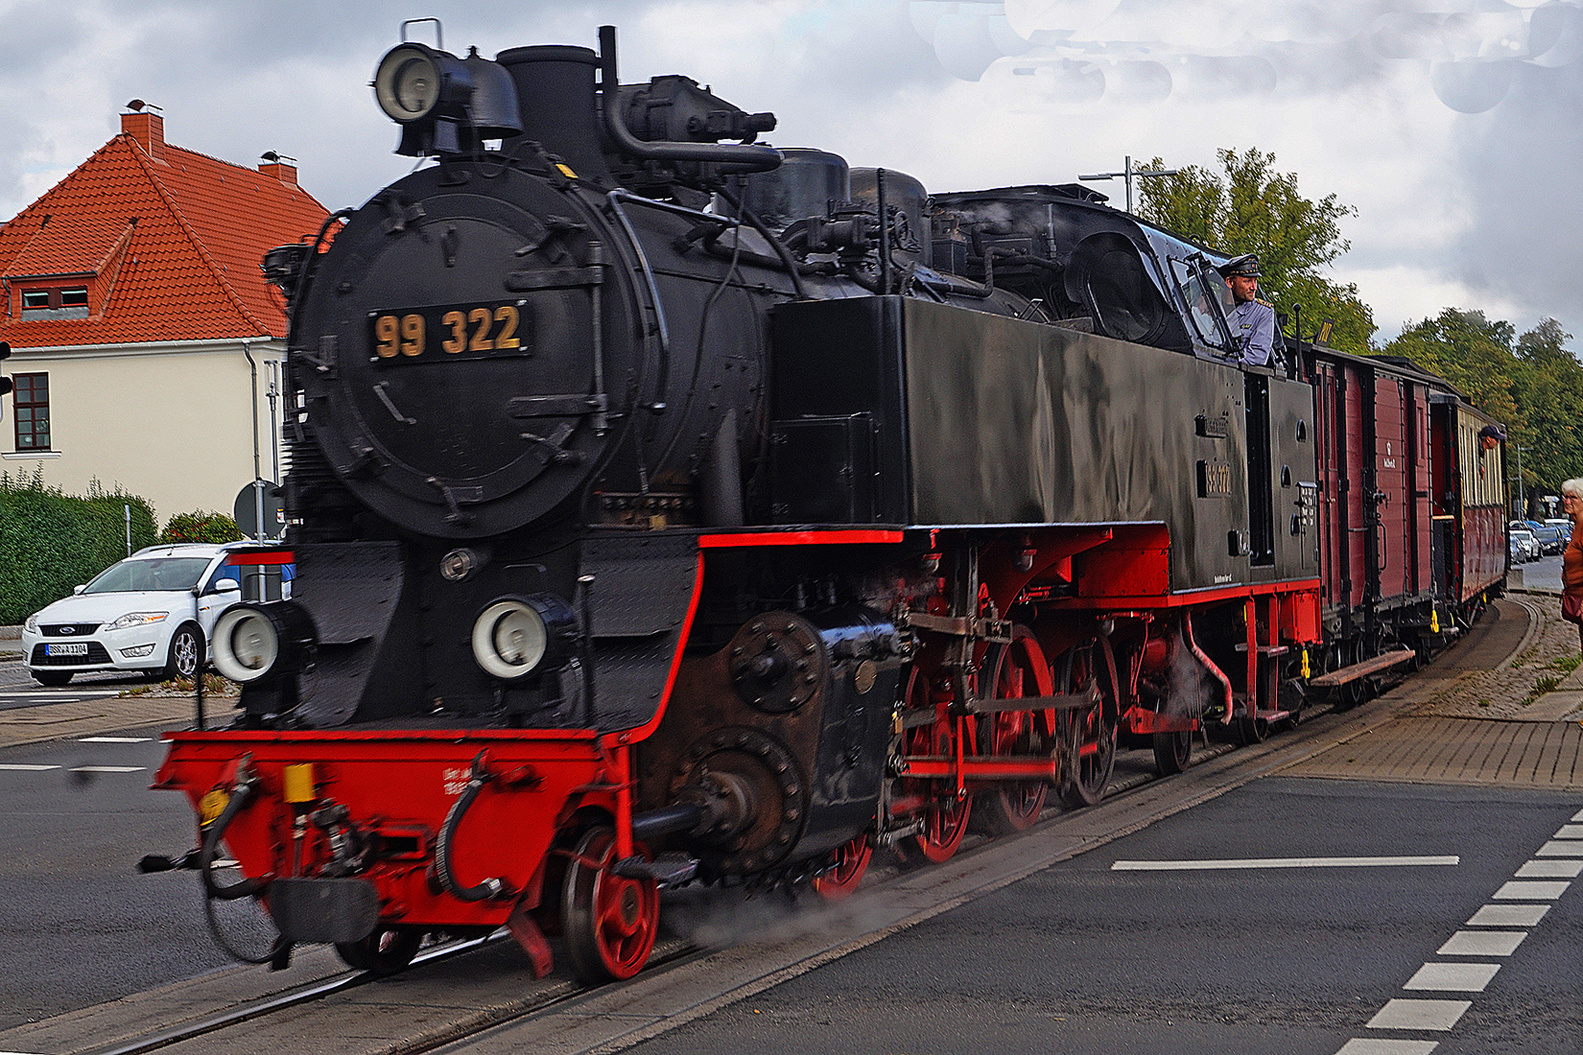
{"type": "Point", "coordinates": [667, 506]}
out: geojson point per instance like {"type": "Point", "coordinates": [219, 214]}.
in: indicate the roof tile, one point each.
{"type": "Point", "coordinates": [177, 241]}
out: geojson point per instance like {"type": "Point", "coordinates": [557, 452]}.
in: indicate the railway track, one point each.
{"type": "Point", "coordinates": [719, 946]}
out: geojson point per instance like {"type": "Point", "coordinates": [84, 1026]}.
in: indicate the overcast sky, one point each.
{"type": "Point", "coordinates": [1452, 125]}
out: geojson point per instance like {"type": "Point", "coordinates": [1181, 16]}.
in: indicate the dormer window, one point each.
{"type": "Point", "coordinates": [57, 302]}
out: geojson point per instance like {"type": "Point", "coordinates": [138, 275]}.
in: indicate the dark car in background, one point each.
{"type": "Point", "coordinates": [1551, 539]}
{"type": "Point", "coordinates": [1564, 526]}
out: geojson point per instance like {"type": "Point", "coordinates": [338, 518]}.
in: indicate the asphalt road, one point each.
{"type": "Point", "coordinates": [18, 689]}
{"type": "Point", "coordinates": [78, 924]}
{"type": "Point", "coordinates": [1542, 574]}
{"type": "Point", "coordinates": [1085, 958]}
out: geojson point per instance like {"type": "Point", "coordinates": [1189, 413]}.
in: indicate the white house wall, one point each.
{"type": "Point", "coordinates": [172, 423]}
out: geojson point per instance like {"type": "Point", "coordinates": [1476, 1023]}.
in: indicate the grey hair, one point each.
{"type": "Point", "coordinates": [1573, 488]}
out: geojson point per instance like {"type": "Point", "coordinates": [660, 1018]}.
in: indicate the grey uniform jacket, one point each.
{"type": "Point", "coordinates": [1253, 329]}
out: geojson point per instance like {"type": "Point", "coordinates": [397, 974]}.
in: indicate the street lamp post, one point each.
{"type": "Point", "coordinates": [1522, 494]}
{"type": "Point", "coordinates": [1129, 174]}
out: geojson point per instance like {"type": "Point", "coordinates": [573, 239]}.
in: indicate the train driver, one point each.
{"type": "Point", "coordinates": [1252, 320]}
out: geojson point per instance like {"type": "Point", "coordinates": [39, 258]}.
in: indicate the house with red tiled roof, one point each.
{"type": "Point", "coordinates": [146, 344]}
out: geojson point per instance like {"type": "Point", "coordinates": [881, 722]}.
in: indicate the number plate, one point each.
{"type": "Point", "coordinates": [73, 648]}
{"type": "Point", "coordinates": [449, 332]}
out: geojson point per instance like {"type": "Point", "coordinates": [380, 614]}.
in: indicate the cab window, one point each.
{"type": "Point", "coordinates": [1204, 298]}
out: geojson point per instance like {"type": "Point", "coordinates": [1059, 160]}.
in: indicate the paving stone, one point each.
{"type": "Point", "coordinates": [1547, 666]}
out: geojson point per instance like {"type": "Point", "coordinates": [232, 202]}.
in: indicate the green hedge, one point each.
{"type": "Point", "coordinates": [50, 541]}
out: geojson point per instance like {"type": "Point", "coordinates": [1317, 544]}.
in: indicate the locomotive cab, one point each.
{"type": "Point", "coordinates": [1088, 264]}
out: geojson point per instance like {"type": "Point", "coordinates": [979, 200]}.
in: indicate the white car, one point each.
{"type": "Point", "coordinates": [1524, 543]}
{"type": "Point", "coordinates": [151, 613]}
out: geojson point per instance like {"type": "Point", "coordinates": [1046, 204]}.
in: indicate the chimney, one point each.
{"type": "Point", "coordinates": [287, 174]}
{"type": "Point", "coordinates": [149, 131]}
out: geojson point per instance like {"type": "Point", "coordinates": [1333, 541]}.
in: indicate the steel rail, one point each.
{"type": "Point", "coordinates": [303, 994]}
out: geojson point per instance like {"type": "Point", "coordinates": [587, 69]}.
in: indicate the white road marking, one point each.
{"type": "Point", "coordinates": [1482, 943]}
{"type": "Point", "coordinates": [1560, 848]}
{"type": "Point", "coordinates": [1464, 977]}
{"type": "Point", "coordinates": [1578, 816]}
{"type": "Point", "coordinates": [1530, 890]}
{"type": "Point", "coordinates": [109, 769]}
{"type": "Point", "coordinates": [62, 697]}
{"type": "Point", "coordinates": [113, 740]}
{"type": "Point", "coordinates": [1455, 977]}
{"type": "Point", "coordinates": [1362, 1046]}
{"type": "Point", "coordinates": [19, 767]}
{"type": "Point", "coordinates": [1403, 1013]}
{"type": "Point", "coordinates": [1281, 862]}
{"type": "Point", "coordinates": [1508, 916]}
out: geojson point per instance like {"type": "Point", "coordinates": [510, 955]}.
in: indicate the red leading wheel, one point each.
{"type": "Point", "coordinates": [609, 921]}
{"type": "Point", "coordinates": [1012, 671]}
{"type": "Point", "coordinates": [846, 871]}
{"type": "Point", "coordinates": [386, 951]}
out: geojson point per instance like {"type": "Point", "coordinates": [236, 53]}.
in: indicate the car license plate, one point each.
{"type": "Point", "coordinates": [72, 648]}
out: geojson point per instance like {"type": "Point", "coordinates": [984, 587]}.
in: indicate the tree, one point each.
{"type": "Point", "coordinates": [1549, 398]}
{"type": "Point", "coordinates": [1254, 209]}
{"type": "Point", "coordinates": [1532, 384]}
{"type": "Point", "coordinates": [201, 526]}
{"type": "Point", "coordinates": [1470, 351]}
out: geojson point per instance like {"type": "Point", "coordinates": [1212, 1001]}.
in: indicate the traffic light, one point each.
{"type": "Point", "coordinates": [6, 384]}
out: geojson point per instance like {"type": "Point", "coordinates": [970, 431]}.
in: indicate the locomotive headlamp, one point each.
{"type": "Point", "coordinates": [251, 643]}
{"type": "Point", "coordinates": [445, 104]}
{"type": "Point", "coordinates": [412, 80]}
{"type": "Point", "coordinates": [518, 636]}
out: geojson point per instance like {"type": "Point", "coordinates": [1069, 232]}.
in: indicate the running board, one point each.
{"type": "Point", "coordinates": [1337, 678]}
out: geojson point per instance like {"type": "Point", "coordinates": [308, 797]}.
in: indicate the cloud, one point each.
{"type": "Point", "coordinates": [1448, 123]}
{"type": "Point", "coordinates": [1521, 240]}
{"type": "Point", "coordinates": [1469, 51]}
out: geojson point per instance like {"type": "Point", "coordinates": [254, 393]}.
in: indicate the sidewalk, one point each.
{"type": "Point", "coordinates": [1564, 702]}
{"type": "Point", "coordinates": [108, 714]}
{"type": "Point", "coordinates": [1542, 681]}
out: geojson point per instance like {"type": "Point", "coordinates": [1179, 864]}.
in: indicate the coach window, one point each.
{"type": "Point", "coordinates": [31, 400]}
